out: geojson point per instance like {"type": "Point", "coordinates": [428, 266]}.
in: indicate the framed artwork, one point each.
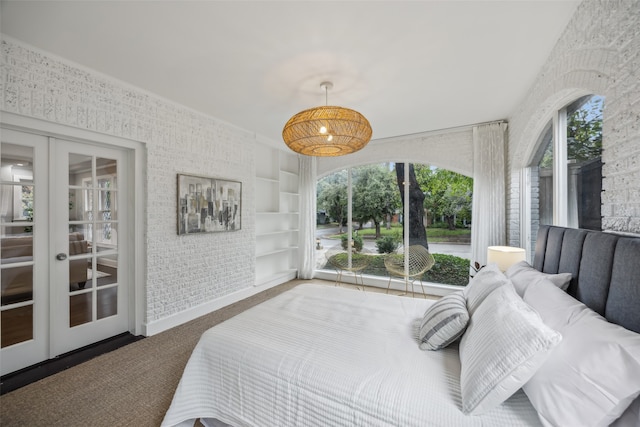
{"type": "Point", "coordinates": [208, 205]}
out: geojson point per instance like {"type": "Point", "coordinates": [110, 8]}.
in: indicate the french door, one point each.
{"type": "Point", "coordinates": [64, 246]}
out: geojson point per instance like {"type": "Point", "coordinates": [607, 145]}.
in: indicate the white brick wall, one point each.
{"type": "Point", "coordinates": [599, 53]}
{"type": "Point", "coordinates": [182, 271]}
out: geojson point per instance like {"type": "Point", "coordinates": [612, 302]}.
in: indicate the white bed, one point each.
{"type": "Point", "coordinates": [556, 343]}
{"type": "Point", "coordinates": [320, 355]}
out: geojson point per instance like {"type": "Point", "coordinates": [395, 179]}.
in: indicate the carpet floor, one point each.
{"type": "Point", "coordinates": [131, 386]}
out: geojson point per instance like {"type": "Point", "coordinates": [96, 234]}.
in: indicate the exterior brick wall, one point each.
{"type": "Point", "coordinates": [598, 53]}
{"type": "Point", "coordinates": [182, 271]}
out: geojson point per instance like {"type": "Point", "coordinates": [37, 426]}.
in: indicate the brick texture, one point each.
{"type": "Point", "coordinates": [598, 53]}
{"type": "Point", "coordinates": [182, 271]}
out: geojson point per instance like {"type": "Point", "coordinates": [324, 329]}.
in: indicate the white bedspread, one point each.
{"type": "Point", "coordinates": [320, 355]}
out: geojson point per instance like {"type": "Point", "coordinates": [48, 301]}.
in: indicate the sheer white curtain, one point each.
{"type": "Point", "coordinates": [307, 229]}
{"type": "Point", "coordinates": [489, 209]}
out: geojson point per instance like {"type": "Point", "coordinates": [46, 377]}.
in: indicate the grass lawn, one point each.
{"type": "Point", "coordinates": [435, 235]}
{"type": "Point", "coordinates": [448, 269]}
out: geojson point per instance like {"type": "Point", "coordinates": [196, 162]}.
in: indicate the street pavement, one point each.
{"type": "Point", "coordinates": [459, 250]}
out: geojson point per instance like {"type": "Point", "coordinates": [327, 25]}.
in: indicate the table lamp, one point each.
{"type": "Point", "coordinates": [505, 256]}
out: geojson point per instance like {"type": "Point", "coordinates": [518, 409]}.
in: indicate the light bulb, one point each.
{"type": "Point", "coordinates": [329, 138]}
{"type": "Point", "coordinates": [323, 129]}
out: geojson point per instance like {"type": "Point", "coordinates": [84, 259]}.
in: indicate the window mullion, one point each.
{"type": "Point", "coordinates": [350, 243]}
{"type": "Point", "coordinates": [560, 204]}
{"type": "Point", "coordinates": [406, 219]}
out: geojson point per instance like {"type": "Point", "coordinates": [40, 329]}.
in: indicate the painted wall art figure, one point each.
{"type": "Point", "coordinates": [208, 205]}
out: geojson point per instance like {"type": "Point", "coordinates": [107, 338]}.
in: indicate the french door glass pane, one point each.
{"type": "Point", "coordinates": [17, 325]}
{"type": "Point", "coordinates": [17, 211]}
{"type": "Point", "coordinates": [93, 238]}
{"type": "Point", "coordinates": [17, 284]}
{"type": "Point", "coordinates": [107, 271]}
{"type": "Point", "coordinates": [107, 302]}
{"type": "Point", "coordinates": [80, 309]}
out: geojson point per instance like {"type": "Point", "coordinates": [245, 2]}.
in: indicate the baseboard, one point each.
{"type": "Point", "coordinates": [161, 325]}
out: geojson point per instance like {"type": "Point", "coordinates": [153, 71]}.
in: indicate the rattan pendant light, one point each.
{"type": "Point", "coordinates": [327, 131]}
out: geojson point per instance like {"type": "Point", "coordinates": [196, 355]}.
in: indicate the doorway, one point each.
{"type": "Point", "coordinates": [64, 222]}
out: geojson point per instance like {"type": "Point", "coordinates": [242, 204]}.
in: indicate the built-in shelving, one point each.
{"type": "Point", "coordinates": [277, 215]}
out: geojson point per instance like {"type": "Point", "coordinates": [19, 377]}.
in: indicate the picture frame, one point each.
{"type": "Point", "coordinates": [208, 205]}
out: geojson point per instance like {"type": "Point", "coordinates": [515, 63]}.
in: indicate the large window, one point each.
{"type": "Point", "coordinates": [568, 167]}
{"type": "Point", "coordinates": [369, 202]}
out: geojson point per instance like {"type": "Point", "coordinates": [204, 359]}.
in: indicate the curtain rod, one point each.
{"type": "Point", "coordinates": [437, 131]}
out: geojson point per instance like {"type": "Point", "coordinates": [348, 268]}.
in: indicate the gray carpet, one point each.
{"type": "Point", "coordinates": [131, 386]}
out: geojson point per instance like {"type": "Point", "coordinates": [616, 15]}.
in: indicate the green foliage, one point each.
{"type": "Point", "coordinates": [584, 134]}
{"type": "Point", "coordinates": [448, 269]}
{"type": "Point", "coordinates": [374, 194]}
{"type": "Point", "coordinates": [387, 244]}
{"type": "Point", "coordinates": [584, 131]}
{"type": "Point", "coordinates": [357, 242]}
{"type": "Point", "coordinates": [447, 194]}
{"type": "Point", "coordinates": [376, 266]}
{"type": "Point", "coordinates": [332, 195]}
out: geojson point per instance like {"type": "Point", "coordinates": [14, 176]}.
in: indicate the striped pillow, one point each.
{"type": "Point", "coordinates": [444, 322]}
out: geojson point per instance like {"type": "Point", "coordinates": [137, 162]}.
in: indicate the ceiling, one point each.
{"type": "Point", "coordinates": [408, 66]}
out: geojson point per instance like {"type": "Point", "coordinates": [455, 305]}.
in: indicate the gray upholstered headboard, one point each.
{"type": "Point", "coordinates": [605, 269]}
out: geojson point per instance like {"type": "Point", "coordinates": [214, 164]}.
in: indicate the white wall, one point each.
{"type": "Point", "coordinates": [448, 149]}
{"type": "Point", "coordinates": [598, 53]}
{"type": "Point", "coordinates": [182, 271]}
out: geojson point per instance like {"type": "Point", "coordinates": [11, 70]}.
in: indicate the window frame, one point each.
{"type": "Point", "coordinates": [557, 129]}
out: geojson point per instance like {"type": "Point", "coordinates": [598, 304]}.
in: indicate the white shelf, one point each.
{"type": "Point", "coordinates": [277, 206]}
{"type": "Point", "coordinates": [273, 233]}
{"type": "Point", "coordinates": [276, 251]}
{"type": "Point", "coordinates": [261, 178]}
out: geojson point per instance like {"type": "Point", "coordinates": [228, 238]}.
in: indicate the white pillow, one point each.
{"type": "Point", "coordinates": [482, 284]}
{"type": "Point", "coordinates": [505, 343]}
{"type": "Point", "coordinates": [522, 275]}
{"type": "Point", "coordinates": [594, 374]}
{"type": "Point", "coordinates": [444, 322]}
{"type": "Point", "coordinates": [630, 417]}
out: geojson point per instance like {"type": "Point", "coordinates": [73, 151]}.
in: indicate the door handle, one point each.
{"type": "Point", "coordinates": [61, 256]}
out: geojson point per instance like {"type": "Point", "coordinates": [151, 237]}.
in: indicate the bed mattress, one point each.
{"type": "Point", "coordinates": [320, 355]}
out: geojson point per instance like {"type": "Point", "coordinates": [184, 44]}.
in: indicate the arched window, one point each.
{"type": "Point", "coordinates": [566, 173]}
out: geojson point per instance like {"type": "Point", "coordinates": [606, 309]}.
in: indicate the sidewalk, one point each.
{"type": "Point", "coordinates": [459, 250]}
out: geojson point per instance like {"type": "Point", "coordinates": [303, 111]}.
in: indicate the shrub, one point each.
{"type": "Point", "coordinates": [449, 269]}
{"type": "Point", "coordinates": [387, 244]}
{"type": "Point", "coordinates": [357, 242]}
